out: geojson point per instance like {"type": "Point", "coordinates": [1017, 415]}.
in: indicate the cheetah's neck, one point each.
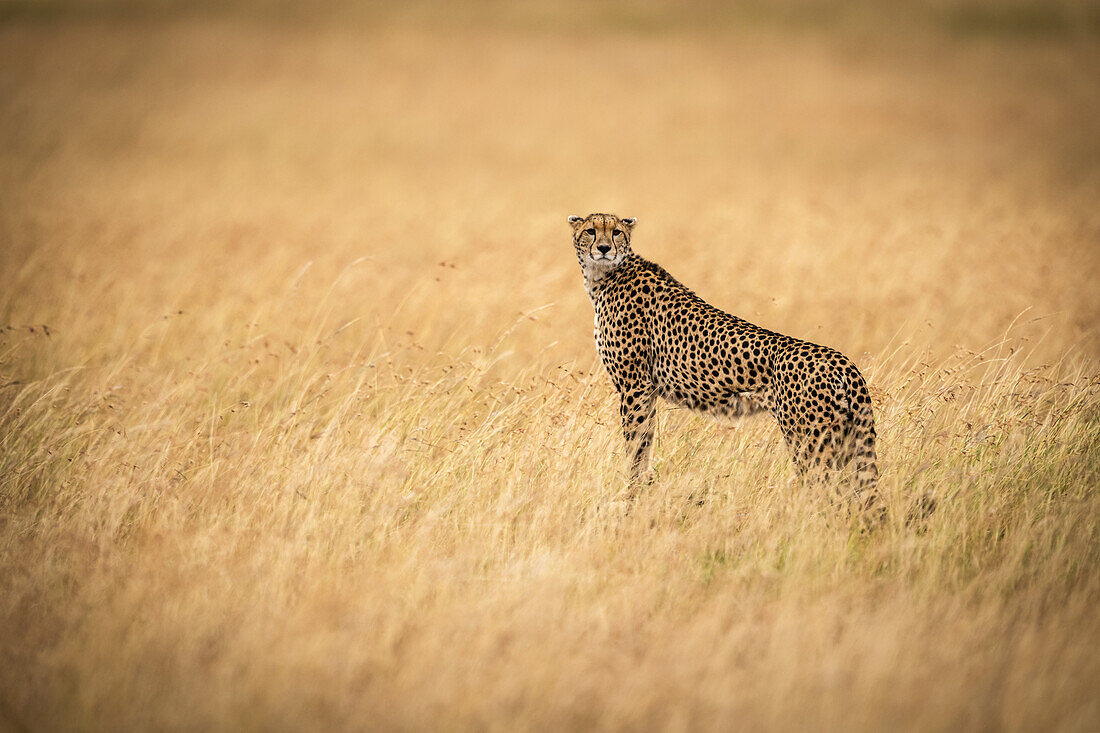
{"type": "Point", "coordinates": [596, 276]}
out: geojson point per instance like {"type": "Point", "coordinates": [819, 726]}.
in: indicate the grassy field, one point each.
{"type": "Point", "coordinates": [301, 423]}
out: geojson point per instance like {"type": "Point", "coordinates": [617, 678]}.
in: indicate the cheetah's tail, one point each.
{"type": "Point", "coordinates": [860, 453]}
{"type": "Point", "coordinates": [859, 439]}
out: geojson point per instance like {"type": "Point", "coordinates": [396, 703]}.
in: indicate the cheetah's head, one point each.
{"type": "Point", "coordinates": [602, 240]}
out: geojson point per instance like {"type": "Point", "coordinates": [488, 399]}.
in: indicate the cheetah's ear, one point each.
{"type": "Point", "coordinates": [628, 223]}
{"type": "Point", "coordinates": [576, 221]}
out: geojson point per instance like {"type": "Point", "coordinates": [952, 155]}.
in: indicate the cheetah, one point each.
{"type": "Point", "coordinates": [657, 338]}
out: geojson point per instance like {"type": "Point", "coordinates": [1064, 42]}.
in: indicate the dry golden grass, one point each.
{"type": "Point", "coordinates": [301, 425]}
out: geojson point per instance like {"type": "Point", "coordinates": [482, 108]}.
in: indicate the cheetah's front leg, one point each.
{"type": "Point", "coordinates": [637, 407]}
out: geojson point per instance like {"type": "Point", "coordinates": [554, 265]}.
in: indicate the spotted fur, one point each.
{"type": "Point", "coordinates": [659, 339]}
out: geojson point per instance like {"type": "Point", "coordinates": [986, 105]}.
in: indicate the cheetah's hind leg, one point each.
{"type": "Point", "coordinates": [829, 461]}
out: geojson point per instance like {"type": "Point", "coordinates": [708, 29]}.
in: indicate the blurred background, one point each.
{"type": "Point", "coordinates": [869, 167]}
{"type": "Point", "coordinates": [301, 422]}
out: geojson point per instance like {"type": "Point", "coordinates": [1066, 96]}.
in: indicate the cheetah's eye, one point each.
{"type": "Point", "coordinates": [616, 233]}
{"type": "Point", "coordinates": [590, 232]}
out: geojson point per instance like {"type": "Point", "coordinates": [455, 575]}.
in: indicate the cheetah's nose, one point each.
{"type": "Point", "coordinates": [604, 248]}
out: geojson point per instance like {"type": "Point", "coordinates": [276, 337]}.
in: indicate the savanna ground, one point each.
{"type": "Point", "coordinates": [301, 425]}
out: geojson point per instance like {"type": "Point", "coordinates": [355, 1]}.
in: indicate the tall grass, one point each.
{"type": "Point", "coordinates": [301, 424]}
